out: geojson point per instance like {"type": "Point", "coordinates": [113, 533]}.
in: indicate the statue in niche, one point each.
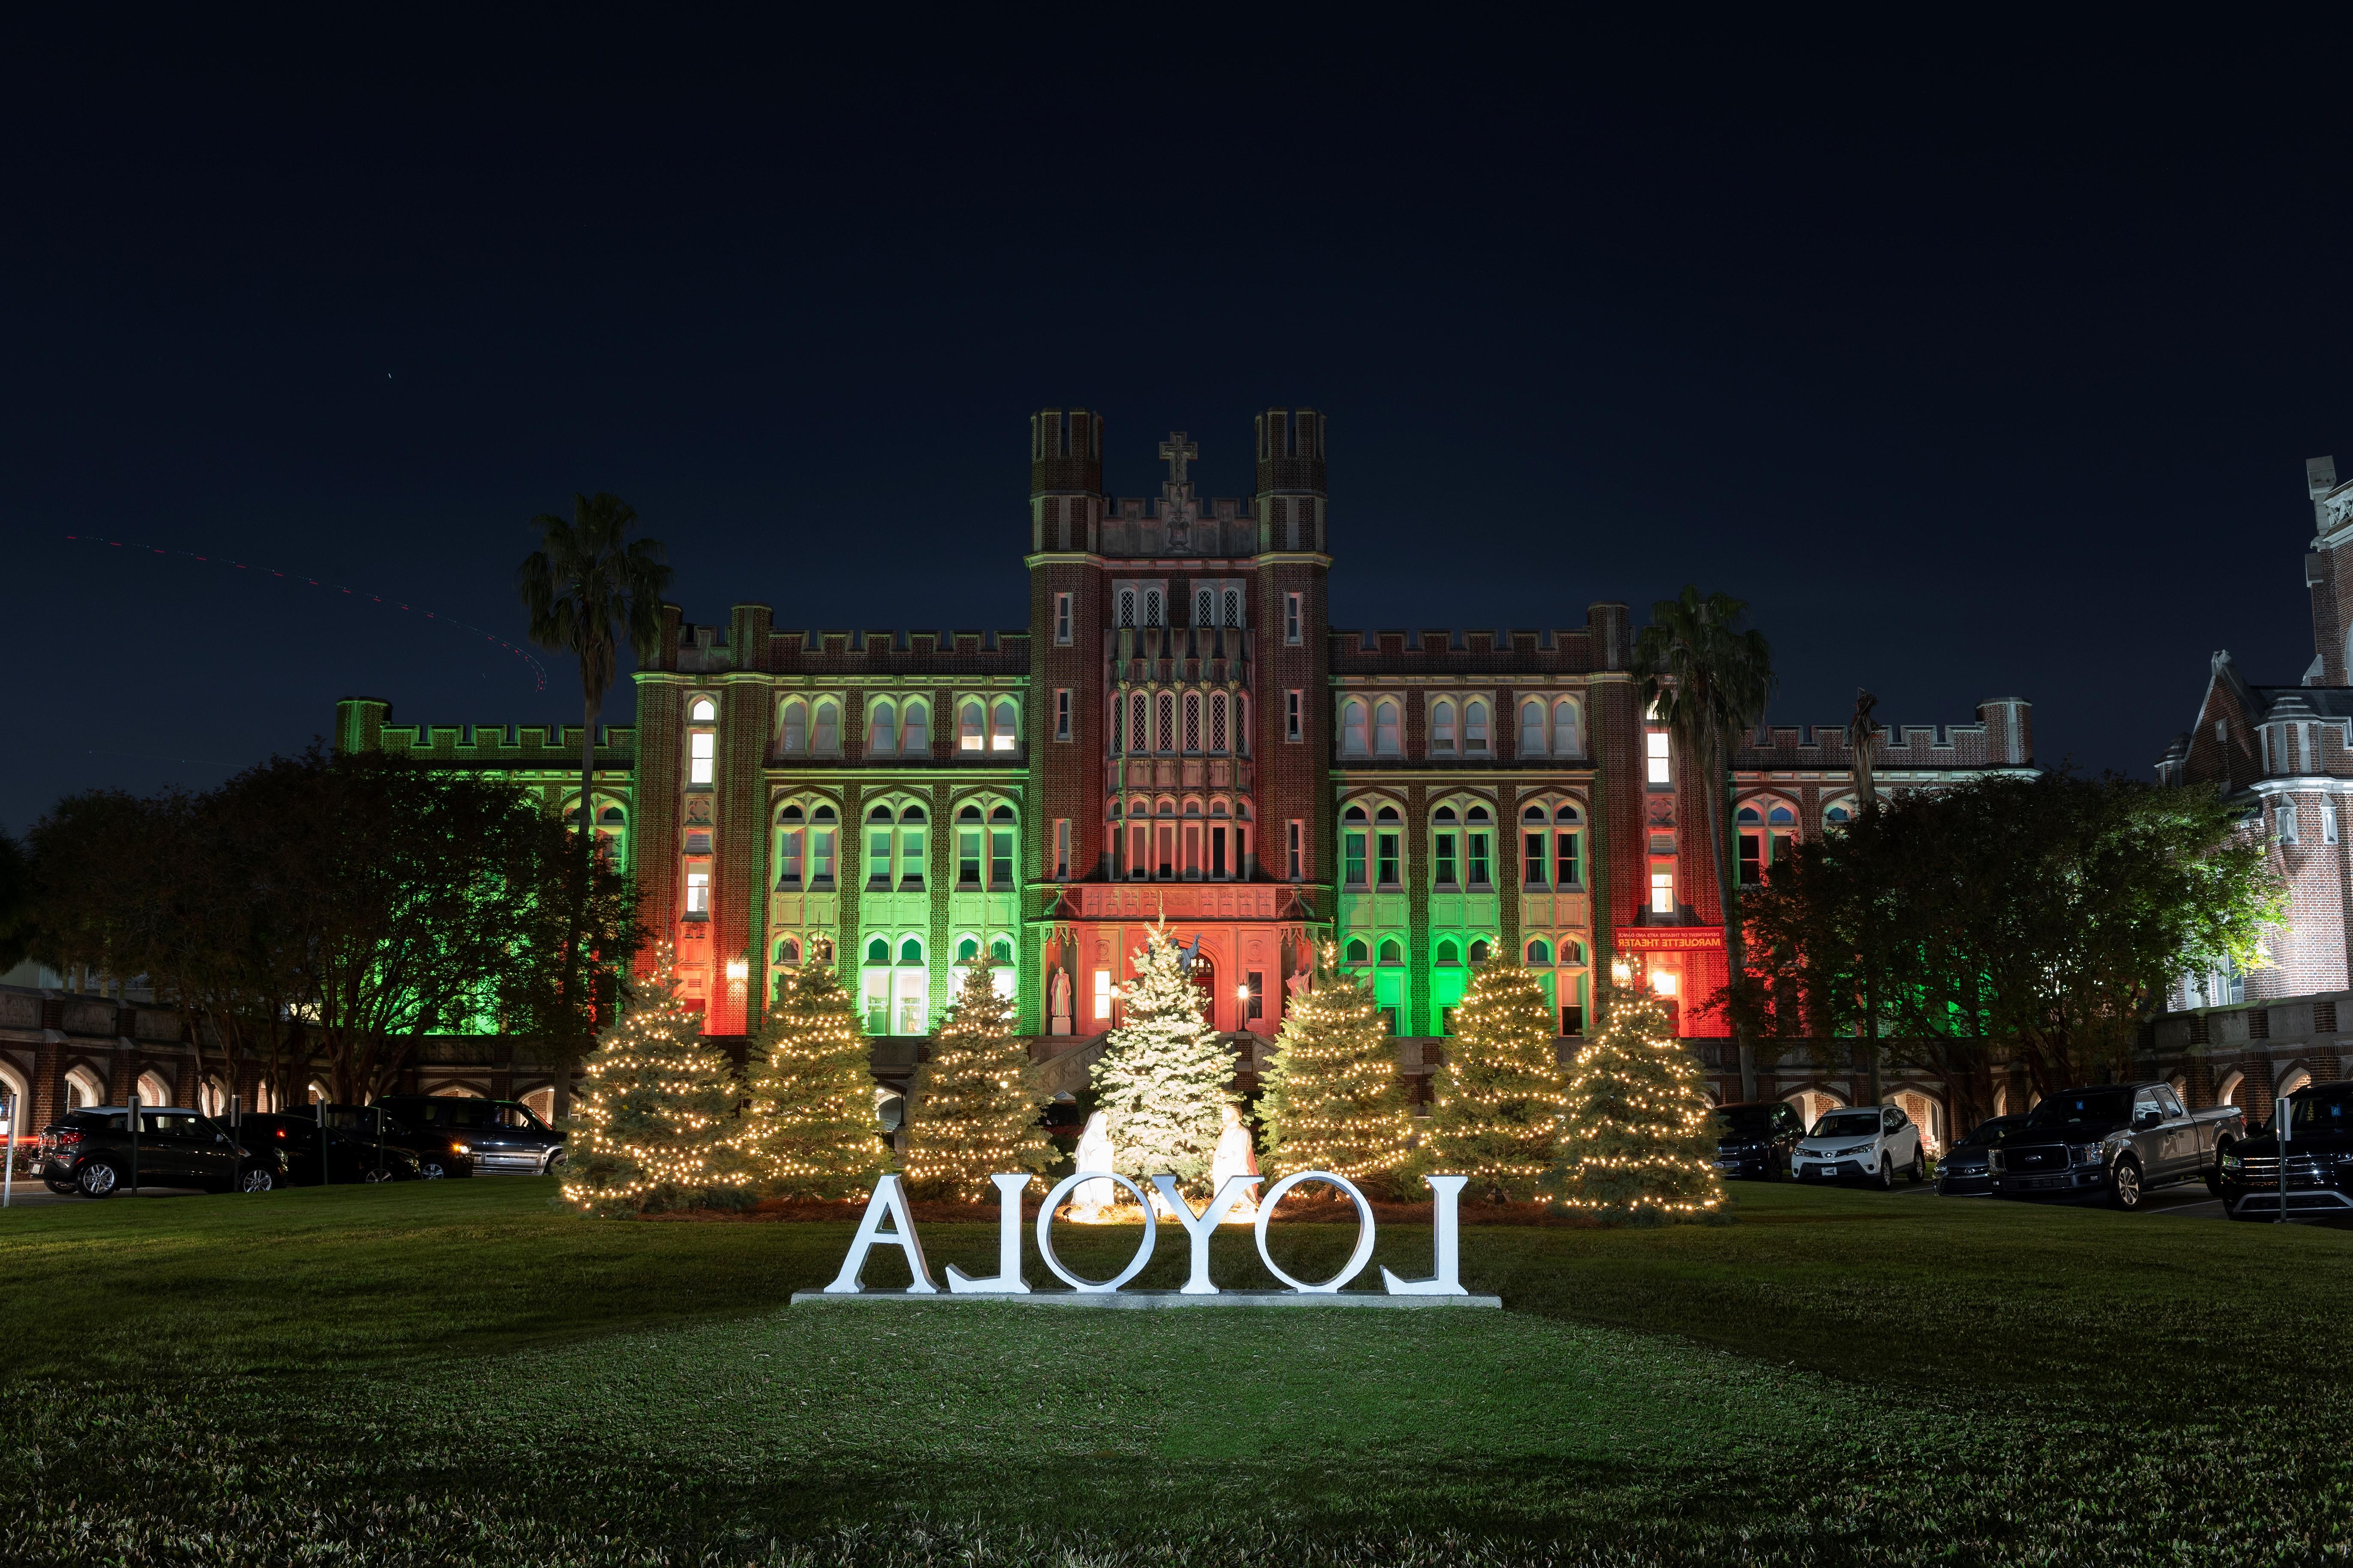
{"type": "Point", "coordinates": [1091, 1202]}
{"type": "Point", "coordinates": [1058, 1003]}
{"type": "Point", "coordinates": [1236, 1155]}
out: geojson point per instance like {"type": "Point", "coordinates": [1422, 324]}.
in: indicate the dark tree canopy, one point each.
{"type": "Point", "coordinates": [2042, 920]}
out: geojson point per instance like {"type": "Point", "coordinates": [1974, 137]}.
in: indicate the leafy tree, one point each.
{"type": "Point", "coordinates": [809, 1129]}
{"type": "Point", "coordinates": [1708, 678]}
{"type": "Point", "coordinates": [1163, 1074]}
{"type": "Point", "coordinates": [974, 1113]}
{"type": "Point", "coordinates": [2036, 919]}
{"type": "Point", "coordinates": [588, 588]}
{"type": "Point", "coordinates": [654, 1127]}
{"type": "Point", "coordinates": [16, 903]}
{"type": "Point", "coordinates": [1330, 1099]}
{"type": "Point", "coordinates": [1495, 1116]}
{"type": "Point", "coordinates": [1637, 1141]}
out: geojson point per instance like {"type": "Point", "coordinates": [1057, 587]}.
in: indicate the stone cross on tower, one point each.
{"type": "Point", "coordinates": [1177, 452]}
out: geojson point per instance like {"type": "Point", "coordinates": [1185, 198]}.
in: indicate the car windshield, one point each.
{"type": "Point", "coordinates": [466, 1114]}
{"type": "Point", "coordinates": [2091, 1108]}
{"type": "Point", "coordinates": [2309, 1115]}
{"type": "Point", "coordinates": [1847, 1124]}
{"type": "Point", "coordinates": [1988, 1133]}
{"type": "Point", "coordinates": [1750, 1120]}
{"type": "Point", "coordinates": [119, 1120]}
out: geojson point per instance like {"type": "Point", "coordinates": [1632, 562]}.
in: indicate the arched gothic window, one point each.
{"type": "Point", "coordinates": [1356, 740]}
{"type": "Point", "coordinates": [1385, 742]}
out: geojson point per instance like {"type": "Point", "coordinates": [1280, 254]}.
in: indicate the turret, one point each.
{"type": "Point", "coordinates": [1291, 498]}
{"type": "Point", "coordinates": [1065, 478]}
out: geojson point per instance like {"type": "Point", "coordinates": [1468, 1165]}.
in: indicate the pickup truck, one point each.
{"type": "Point", "coordinates": [2114, 1142]}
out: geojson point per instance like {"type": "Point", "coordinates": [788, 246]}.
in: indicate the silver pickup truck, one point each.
{"type": "Point", "coordinates": [2114, 1142]}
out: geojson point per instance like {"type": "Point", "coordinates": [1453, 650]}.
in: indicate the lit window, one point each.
{"type": "Point", "coordinates": [1102, 996]}
{"type": "Point", "coordinates": [700, 750]}
{"type": "Point", "coordinates": [1655, 745]}
{"type": "Point", "coordinates": [1005, 726]}
{"type": "Point", "coordinates": [1662, 892]}
{"type": "Point", "coordinates": [698, 893]}
{"type": "Point", "coordinates": [1567, 729]}
{"type": "Point", "coordinates": [968, 727]}
{"type": "Point", "coordinates": [1442, 738]}
{"type": "Point", "coordinates": [702, 711]}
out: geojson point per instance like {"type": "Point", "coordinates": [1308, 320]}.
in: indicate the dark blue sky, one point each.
{"type": "Point", "coordinates": [1979, 362]}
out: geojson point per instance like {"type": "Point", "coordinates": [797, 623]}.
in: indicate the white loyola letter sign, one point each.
{"type": "Point", "coordinates": [1008, 1280]}
{"type": "Point", "coordinates": [1445, 1240]}
{"type": "Point", "coordinates": [889, 1201]}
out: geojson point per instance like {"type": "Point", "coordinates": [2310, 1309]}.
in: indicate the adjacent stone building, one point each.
{"type": "Point", "coordinates": [2284, 754]}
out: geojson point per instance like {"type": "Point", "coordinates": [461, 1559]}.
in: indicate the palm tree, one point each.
{"type": "Point", "coordinates": [587, 586]}
{"type": "Point", "coordinates": [1707, 678]}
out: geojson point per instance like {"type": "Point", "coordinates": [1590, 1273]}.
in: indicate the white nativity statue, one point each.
{"type": "Point", "coordinates": [1236, 1156]}
{"type": "Point", "coordinates": [1090, 1204]}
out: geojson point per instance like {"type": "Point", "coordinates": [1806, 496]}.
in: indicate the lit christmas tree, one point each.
{"type": "Point", "coordinates": [973, 1111]}
{"type": "Point", "coordinates": [653, 1125]}
{"type": "Point", "coordinates": [1496, 1113]}
{"type": "Point", "coordinates": [1637, 1141]}
{"type": "Point", "coordinates": [810, 1131]}
{"type": "Point", "coordinates": [1331, 1100]}
{"type": "Point", "coordinates": [1161, 1081]}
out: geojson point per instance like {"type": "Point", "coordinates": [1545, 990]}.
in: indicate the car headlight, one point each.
{"type": "Point", "coordinates": [459, 1149]}
{"type": "Point", "coordinates": [2088, 1153]}
{"type": "Point", "coordinates": [2233, 1163]}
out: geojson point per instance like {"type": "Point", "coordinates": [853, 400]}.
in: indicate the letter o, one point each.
{"type": "Point", "coordinates": [1136, 1265]}
{"type": "Point", "coordinates": [1357, 1259]}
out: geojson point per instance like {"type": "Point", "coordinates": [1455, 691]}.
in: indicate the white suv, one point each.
{"type": "Point", "coordinates": [1871, 1142]}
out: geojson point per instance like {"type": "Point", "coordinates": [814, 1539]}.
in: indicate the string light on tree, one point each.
{"type": "Point", "coordinates": [1331, 1100]}
{"type": "Point", "coordinates": [1637, 1141]}
{"type": "Point", "coordinates": [973, 1113]}
{"type": "Point", "coordinates": [1495, 1115]}
{"type": "Point", "coordinates": [1164, 1077]}
{"type": "Point", "coordinates": [809, 1129]}
{"type": "Point", "coordinates": [654, 1124]}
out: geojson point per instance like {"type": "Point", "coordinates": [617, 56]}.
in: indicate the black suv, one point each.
{"type": "Point", "coordinates": [2319, 1162]}
{"type": "Point", "coordinates": [1754, 1138]}
{"type": "Point", "coordinates": [437, 1151]}
{"type": "Point", "coordinates": [500, 1134]}
{"type": "Point", "coordinates": [352, 1156]}
{"type": "Point", "coordinates": [91, 1152]}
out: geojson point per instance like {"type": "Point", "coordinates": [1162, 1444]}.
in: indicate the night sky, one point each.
{"type": "Point", "coordinates": [1980, 364]}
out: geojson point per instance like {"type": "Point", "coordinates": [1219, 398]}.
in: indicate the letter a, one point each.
{"type": "Point", "coordinates": [890, 1201]}
{"type": "Point", "coordinates": [1445, 1231]}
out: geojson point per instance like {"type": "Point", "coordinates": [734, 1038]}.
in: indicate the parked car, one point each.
{"type": "Point", "coordinates": [504, 1134]}
{"type": "Point", "coordinates": [351, 1157]}
{"type": "Point", "coordinates": [2114, 1142]}
{"type": "Point", "coordinates": [1870, 1142]}
{"type": "Point", "coordinates": [1757, 1139]}
{"type": "Point", "coordinates": [90, 1151]}
{"type": "Point", "coordinates": [1966, 1169]}
{"type": "Point", "coordinates": [440, 1152]}
{"type": "Point", "coordinates": [2320, 1157]}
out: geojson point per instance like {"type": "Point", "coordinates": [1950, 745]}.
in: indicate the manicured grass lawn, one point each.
{"type": "Point", "coordinates": [453, 1373]}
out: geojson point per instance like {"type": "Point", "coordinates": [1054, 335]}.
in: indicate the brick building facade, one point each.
{"type": "Point", "coordinates": [1177, 733]}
